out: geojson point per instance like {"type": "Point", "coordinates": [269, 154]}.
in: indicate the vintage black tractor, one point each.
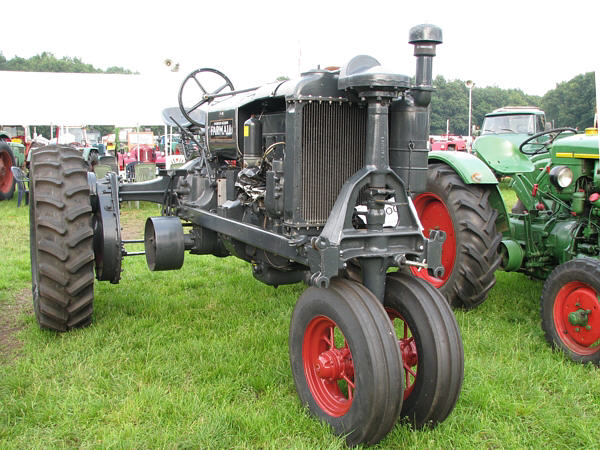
{"type": "Point", "coordinates": [285, 170]}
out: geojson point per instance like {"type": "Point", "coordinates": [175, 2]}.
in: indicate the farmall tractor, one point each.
{"type": "Point", "coordinates": [552, 233]}
{"type": "Point", "coordinates": [285, 167]}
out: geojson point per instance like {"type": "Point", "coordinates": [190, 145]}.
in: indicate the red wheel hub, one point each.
{"type": "Point", "coordinates": [328, 367]}
{"type": "Point", "coordinates": [576, 315]}
{"type": "Point", "coordinates": [434, 215]}
{"type": "Point", "coordinates": [408, 348]}
{"type": "Point", "coordinates": [6, 178]}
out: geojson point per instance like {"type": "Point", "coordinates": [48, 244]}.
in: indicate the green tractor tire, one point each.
{"type": "Point", "coordinates": [469, 256]}
{"type": "Point", "coordinates": [7, 180]}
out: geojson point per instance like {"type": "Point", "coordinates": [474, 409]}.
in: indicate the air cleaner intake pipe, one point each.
{"type": "Point", "coordinates": [409, 114]}
{"type": "Point", "coordinates": [425, 38]}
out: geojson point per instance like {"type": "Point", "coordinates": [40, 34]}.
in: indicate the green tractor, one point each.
{"type": "Point", "coordinates": [552, 233]}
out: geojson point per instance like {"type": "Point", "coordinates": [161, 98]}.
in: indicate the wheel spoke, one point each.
{"type": "Point", "coordinates": [409, 370]}
{"type": "Point", "coordinates": [200, 85]}
{"type": "Point", "coordinates": [331, 337]}
{"type": "Point", "coordinates": [350, 387]}
{"type": "Point", "coordinates": [221, 88]}
{"type": "Point", "coordinates": [197, 105]}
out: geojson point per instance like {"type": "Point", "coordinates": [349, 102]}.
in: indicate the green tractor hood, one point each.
{"type": "Point", "coordinates": [575, 146]}
{"type": "Point", "coordinates": [501, 153]}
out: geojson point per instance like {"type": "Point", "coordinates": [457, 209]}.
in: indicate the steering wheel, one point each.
{"type": "Point", "coordinates": [206, 97]}
{"type": "Point", "coordinates": [543, 146]}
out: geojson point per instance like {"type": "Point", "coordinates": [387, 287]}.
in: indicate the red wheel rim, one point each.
{"type": "Point", "coordinates": [408, 348]}
{"type": "Point", "coordinates": [328, 366]}
{"type": "Point", "coordinates": [434, 215]}
{"type": "Point", "coordinates": [6, 176]}
{"type": "Point", "coordinates": [576, 313]}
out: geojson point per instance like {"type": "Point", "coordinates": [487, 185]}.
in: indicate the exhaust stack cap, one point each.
{"type": "Point", "coordinates": [425, 33]}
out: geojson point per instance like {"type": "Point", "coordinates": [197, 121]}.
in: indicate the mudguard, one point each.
{"type": "Point", "coordinates": [503, 155]}
{"type": "Point", "coordinates": [470, 168]}
{"type": "Point", "coordinates": [474, 171]}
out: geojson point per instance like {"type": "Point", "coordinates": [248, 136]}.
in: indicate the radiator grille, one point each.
{"type": "Point", "coordinates": [333, 147]}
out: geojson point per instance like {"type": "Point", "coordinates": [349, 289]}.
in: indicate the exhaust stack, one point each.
{"type": "Point", "coordinates": [425, 38]}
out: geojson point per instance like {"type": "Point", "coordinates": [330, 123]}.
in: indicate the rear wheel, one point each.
{"type": "Point", "coordinates": [469, 255]}
{"type": "Point", "coordinates": [431, 346]}
{"type": "Point", "coordinates": [570, 309]}
{"type": "Point", "coordinates": [60, 231]}
{"type": "Point", "coordinates": [346, 361]}
{"type": "Point", "coordinates": [7, 180]}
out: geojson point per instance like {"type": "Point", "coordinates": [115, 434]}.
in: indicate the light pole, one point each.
{"type": "Point", "coordinates": [470, 84]}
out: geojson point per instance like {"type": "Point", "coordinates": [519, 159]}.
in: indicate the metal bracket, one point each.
{"type": "Point", "coordinates": [323, 260]}
{"type": "Point", "coordinates": [434, 253]}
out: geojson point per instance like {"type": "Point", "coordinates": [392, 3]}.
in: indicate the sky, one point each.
{"type": "Point", "coordinates": [529, 45]}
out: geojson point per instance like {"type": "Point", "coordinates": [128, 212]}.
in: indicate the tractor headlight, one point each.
{"type": "Point", "coordinates": [561, 176]}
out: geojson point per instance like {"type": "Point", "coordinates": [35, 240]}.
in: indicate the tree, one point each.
{"type": "Point", "coordinates": [571, 103]}
{"type": "Point", "coordinates": [47, 62]}
{"type": "Point", "coordinates": [451, 101]}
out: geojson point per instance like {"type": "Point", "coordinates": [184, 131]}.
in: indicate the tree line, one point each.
{"type": "Point", "coordinates": [571, 104]}
{"type": "Point", "coordinates": [47, 62]}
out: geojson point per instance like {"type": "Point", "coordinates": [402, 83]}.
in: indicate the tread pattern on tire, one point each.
{"type": "Point", "coordinates": [382, 397]}
{"type": "Point", "coordinates": [61, 234]}
{"type": "Point", "coordinates": [430, 316]}
{"type": "Point", "coordinates": [477, 257]}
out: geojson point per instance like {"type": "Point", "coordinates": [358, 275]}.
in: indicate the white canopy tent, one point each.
{"type": "Point", "coordinates": [41, 98]}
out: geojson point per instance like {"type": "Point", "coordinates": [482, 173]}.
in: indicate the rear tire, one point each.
{"type": "Point", "coordinates": [352, 381]}
{"type": "Point", "coordinates": [7, 180]}
{"type": "Point", "coordinates": [571, 311]}
{"type": "Point", "coordinates": [469, 255]}
{"type": "Point", "coordinates": [60, 231]}
{"type": "Point", "coordinates": [431, 346]}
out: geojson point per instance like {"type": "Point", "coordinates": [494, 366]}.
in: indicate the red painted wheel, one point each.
{"type": "Point", "coordinates": [577, 317]}
{"type": "Point", "coordinates": [346, 361]}
{"type": "Point", "coordinates": [7, 180]}
{"type": "Point", "coordinates": [469, 254]}
{"type": "Point", "coordinates": [408, 349]}
{"type": "Point", "coordinates": [328, 366]}
{"type": "Point", "coordinates": [431, 347]}
{"type": "Point", "coordinates": [434, 215]}
{"type": "Point", "coordinates": [571, 309]}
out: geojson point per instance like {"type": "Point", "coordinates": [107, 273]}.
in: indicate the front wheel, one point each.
{"type": "Point", "coordinates": [469, 255]}
{"type": "Point", "coordinates": [346, 361]}
{"type": "Point", "coordinates": [431, 346]}
{"type": "Point", "coordinates": [570, 308]}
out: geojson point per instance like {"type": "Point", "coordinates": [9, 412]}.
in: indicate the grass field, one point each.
{"type": "Point", "coordinates": [198, 358]}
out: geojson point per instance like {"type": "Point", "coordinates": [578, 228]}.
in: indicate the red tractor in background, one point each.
{"type": "Point", "coordinates": [141, 147]}
{"type": "Point", "coordinates": [448, 142]}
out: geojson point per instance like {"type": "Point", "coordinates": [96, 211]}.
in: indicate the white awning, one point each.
{"type": "Point", "coordinates": [42, 98]}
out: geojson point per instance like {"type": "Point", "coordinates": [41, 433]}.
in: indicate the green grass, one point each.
{"type": "Point", "coordinates": [198, 358]}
